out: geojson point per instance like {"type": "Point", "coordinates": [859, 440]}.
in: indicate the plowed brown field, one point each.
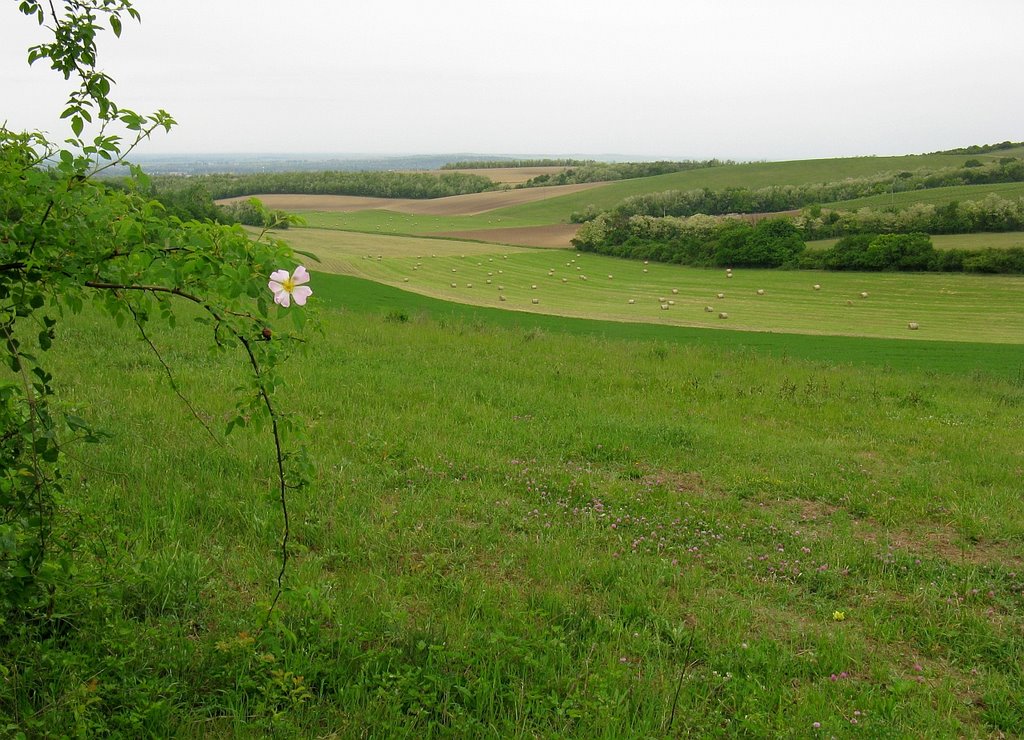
{"type": "Point", "coordinates": [554, 236]}
{"type": "Point", "coordinates": [455, 205]}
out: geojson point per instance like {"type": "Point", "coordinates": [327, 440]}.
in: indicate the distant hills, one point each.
{"type": "Point", "coordinates": [198, 164]}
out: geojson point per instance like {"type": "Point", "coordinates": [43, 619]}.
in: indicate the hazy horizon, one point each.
{"type": "Point", "coordinates": [793, 79]}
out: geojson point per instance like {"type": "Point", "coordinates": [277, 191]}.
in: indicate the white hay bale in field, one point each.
{"type": "Point", "coordinates": [501, 287]}
{"type": "Point", "coordinates": [405, 280]}
{"type": "Point", "coordinates": [721, 295]}
{"type": "Point", "coordinates": [671, 303]}
{"type": "Point", "coordinates": [490, 274]}
{"type": "Point", "coordinates": [536, 301]}
{"type": "Point", "coordinates": [664, 307]}
{"type": "Point", "coordinates": [760, 291]}
{"type": "Point", "coordinates": [488, 281]}
{"type": "Point", "coordinates": [661, 300]}
{"type": "Point", "coordinates": [583, 277]}
{"type": "Point", "coordinates": [609, 277]}
{"type": "Point", "coordinates": [675, 291]}
{"type": "Point", "coordinates": [416, 267]}
{"type": "Point", "coordinates": [501, 297]}
{"type": "Point", "coordinates": [729, 275]}
{"type": "Point", "coordinates": [453, 269]}
{"type": "Point", "coordinates": [501, 272]}
{"type": "Point", "coordinates": [565, 280]}
{"type": "Point", "coordinates": [469, 285]}
{"type": "Point", "coordinates": [863, 294]}
{"type": "Point", "coordinates": [817, 287]}
{"type": "Point", "coordinates": [632, 301]}
{"type": "Point", "coordinates": [723, 315]}
{"type": "Point", "coordinates": [645, 269]}
{"type": "Point", "coordinates": [455, 285]}
{"type": "Point", "coordinates": [533, 287]}
{"type": "Point", "coordinates": [709, 309]}
{"type": "Point", "coordinates": [913, 325]}
{"type": "Point", "coordinates": [646, 262]}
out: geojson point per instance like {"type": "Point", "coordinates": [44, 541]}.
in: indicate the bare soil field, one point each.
{"type": "Point", "coordinates": [554, 236]}
{"type": "Point", "coordinates": [455, 205]}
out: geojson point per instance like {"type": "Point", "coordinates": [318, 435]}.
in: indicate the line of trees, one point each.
{"type": "Point", "coordinates": [704, 240]}
{"type": "Point", "coordinates": [776, 198]}
{"type": "Point", "coordinates": [418, 185]}
{"type": "Point", "coordinates": [493, 164]}
{"type": "Point", "coordinates": [990, 214]}
{"type": "Point", "coordinates": [609, 171]}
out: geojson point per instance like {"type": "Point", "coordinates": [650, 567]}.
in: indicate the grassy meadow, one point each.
{"type": "Point", "coordinates": [580, 517]}
{"type": "Point", "coordinates": [517, 531]}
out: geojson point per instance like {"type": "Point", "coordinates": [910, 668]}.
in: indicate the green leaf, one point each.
{"type": "Point", "coordinates": [77, 125]}
{"type": "Point", "coordinates": [115, 25]}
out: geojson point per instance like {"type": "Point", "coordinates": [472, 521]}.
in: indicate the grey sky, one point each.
{"type": "Point", "coordinates": [788, 79]}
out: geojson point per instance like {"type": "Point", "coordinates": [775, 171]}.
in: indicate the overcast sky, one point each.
{"type": "Point", "coordinates": [741, 79]}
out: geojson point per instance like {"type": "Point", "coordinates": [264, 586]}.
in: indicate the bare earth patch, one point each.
{"type": "Point", "coordinates": [455, 205]}
{"type": "Point", "coordinates": [554, 236]}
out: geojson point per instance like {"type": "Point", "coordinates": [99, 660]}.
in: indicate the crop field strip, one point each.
{"type": "Point", "coordinates": [945, 306]}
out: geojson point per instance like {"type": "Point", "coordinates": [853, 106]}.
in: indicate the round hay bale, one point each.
{"type": "Point", "coordinates": [913, 325]}
{"type": "Point", "coordinates": [760, 291]}
{"type": "Point", "coordinates": [723, 315]}
{"type": "Point", "coordinates": [535, 301]}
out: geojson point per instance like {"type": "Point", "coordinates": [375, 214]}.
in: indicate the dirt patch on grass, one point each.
{"type": "Point", "coordinates": [674, 481]}
{"type": "Point", "coordinates": [555, 236]}
{"type": "Point", "coordinates": [944, 542]}
{"type": "Point", "coordinates": [455, 205]}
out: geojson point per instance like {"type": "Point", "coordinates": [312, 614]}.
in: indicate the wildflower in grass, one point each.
{"type": "Point", "coordinates": [838, 616]}
{"type": "Point", "coordinates": [285, 286]}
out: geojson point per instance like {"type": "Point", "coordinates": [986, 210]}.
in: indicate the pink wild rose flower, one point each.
{"type": "Point", "coordinates": [285, 286]}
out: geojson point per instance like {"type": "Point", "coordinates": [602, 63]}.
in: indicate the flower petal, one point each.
{"type": "Point", "coordinates": [279, 275]}
{"type": "Point", "coordinates": [300, 276]}
{"type": "Point", "coordinates": [283, 298]}
{"type": "Point", "coordinates": [275, 286]}
{"type": "Point", "coordinates": [301, 293]}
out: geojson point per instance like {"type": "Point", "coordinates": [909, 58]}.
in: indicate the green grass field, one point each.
{"type": "Point", "coordinates": [576, 518]}
{"type": "Point", "coordinates": [951, 307]}
{"type": "Point", "coordinates": [516, 531]}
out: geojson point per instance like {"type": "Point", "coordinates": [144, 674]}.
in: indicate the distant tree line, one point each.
{"type": "Point", "coordinates": [775, 198]}
{"type": "Point", "coordinates": [873, 240]}
{"type": "Point", "coordinates": [418, 185]}
{"type": "Point", "coordinates": [983, 148]}
{"type": "Point", "coordinates": [609, 171]}
{"type": "Point", "coordinates": [493, 164]}
{"type": "Point", "coordinates": [990, 214]}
